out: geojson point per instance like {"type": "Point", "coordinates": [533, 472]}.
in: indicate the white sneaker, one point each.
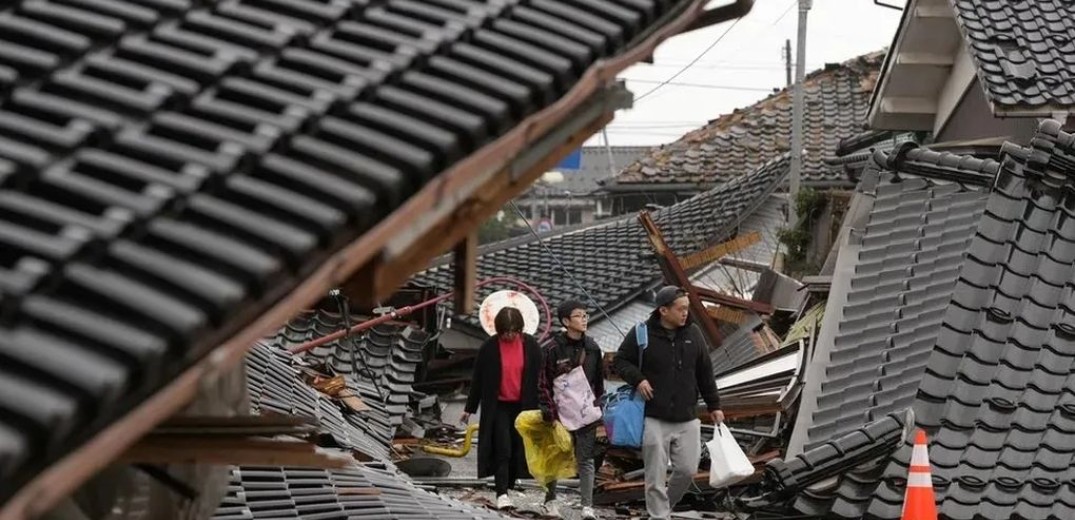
{"type": "Point", "coordinates": [504, 502]}
{"type": "Point", "coordinates": [588, 513]}
{"type": "Point", "coordinates": [550, 510]}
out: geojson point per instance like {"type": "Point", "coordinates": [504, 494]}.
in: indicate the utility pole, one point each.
{"type": "Point", "coordinates": [797, 114]}
{"type": "Point", "coordinates": [787, 60]}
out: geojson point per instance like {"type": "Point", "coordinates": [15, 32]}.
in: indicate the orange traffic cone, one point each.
{"type": "Point", "coordinates": [918, 502]}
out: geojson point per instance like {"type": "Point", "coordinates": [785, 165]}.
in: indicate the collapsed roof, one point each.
{"type": "Point", "coordinates": [372, 489]}
{"type": "Point", "coordinates": [734, 144]}
{"type": "Point", "coordinates": [614, 262]}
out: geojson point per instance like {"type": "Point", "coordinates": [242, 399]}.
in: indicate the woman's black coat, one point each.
{"type": "Point", "coordinates": [484, 389]}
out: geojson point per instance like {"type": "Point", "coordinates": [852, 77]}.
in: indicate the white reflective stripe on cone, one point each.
{"type": "Point", "coordinates": [919, 480]}
{"type": "Point", "coordinates": [919, 456]}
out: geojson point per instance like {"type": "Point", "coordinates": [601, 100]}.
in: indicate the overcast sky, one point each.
{"type": "Point", "coordinates": [743, 67]}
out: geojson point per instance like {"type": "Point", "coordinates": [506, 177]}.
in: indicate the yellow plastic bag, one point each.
{"type": "Point", "coordinates": [549, 452]}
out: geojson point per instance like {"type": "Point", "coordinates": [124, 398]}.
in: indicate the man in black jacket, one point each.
{"type": "Point", "coordinates": [675, 368]}
{"type": "Point", "coordinates": [568, 348]}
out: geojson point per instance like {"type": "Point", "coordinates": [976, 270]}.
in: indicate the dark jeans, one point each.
{"type": "Point", "coordinates": [507, 447]}
{"type": "Point", "coordinates": [585, 441]}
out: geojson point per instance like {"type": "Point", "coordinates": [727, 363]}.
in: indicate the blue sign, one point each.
{"type": "Point", "coordinates": [573, 161]}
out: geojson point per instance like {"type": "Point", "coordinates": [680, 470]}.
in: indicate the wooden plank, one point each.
{"type": "Point", "coordinates": [466, 273]}
{"type": "Point", "coordinates": [229, 451]}
{"type": "Point", "coordinates": [244, 426]}
{"type": "Point", "coordinates": [714, 253]}
{"type": "Point", "coordinates": [268, 419]}
{"type": "Point", "coordinates": [726, 314]}
{"type": "Point", "coordinates": [724, 299]}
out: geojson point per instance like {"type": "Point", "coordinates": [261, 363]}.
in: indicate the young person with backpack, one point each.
{"type": "Point", "coordinates": [676, 369]}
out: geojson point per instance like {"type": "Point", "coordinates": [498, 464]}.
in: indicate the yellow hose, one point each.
{"type": "Point", "coordinates": [455, 452]}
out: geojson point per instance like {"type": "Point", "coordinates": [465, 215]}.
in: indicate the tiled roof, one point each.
{"type": "Point", "coordinates": [595, 167]}
{"type": "Point", "coordinates": [364, 492]}
{"type": "Point", "coordinates": [996, 395]}
{"type": "Point", "coordinates": [911, 252]}
{"type": "Point", "coordinates": [368, 490]}
{"type": "Point", "coordinates": [855, 154]}
{"type": "Point", "coordinates": [614, 261]}
{"type": "Point", "coordinates": [743, 342]}
{"type": "Point", "coordinates": [837, 98]}
{"type": "Point", "coordinates": [998, 398]}
{"type": "Point", "coordinates": [739, 276]}
{"type": "Point", "coordinates": [832, 459]}
{"type": "Point", "coordinates": [391, 352]}
{"type": "Point", "coordinates": [609, 333]}
{"type": "Point", "coordinates": [275, 386]}
{"type": "Point", "coordinates": [170, 168]}
{"type": "Point", "coordinates": [1022, 50]}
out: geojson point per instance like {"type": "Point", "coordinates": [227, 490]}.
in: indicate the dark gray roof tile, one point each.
{"type": "Point", "coordinates": [1014, 46]}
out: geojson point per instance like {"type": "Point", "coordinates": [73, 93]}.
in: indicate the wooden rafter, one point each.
{"type": "Point", "coordinates": [466, 275]}
{"type": "Point", "coordinates": [675, 274]}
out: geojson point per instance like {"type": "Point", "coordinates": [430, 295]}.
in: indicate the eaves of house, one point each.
{"type": "Point", "coordinates": [1006, 58]}
{"type": "Point", "coordinates": [178, 176]}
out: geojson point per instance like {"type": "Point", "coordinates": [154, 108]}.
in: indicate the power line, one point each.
{"type": "Point", "coordinates": [564, 268]}
{"type": "Point", "coordinates": [646, 132]}
{"type": "Point", "coordinates": [786, 11]}
{"type": "Point", "coordinates": [721, 66]}
{"type": "Point", "coordinates": [660, 122]}
{"type": "Point", "coordinates": [692, 62]}
{"type": "Point", "coordinates": [657, 127]}
{"type": "Point", "coordinates": [699, 85]}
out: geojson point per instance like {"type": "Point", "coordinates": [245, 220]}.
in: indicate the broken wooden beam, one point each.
{"type": "Point", "coordinates": [731, 301]}
{"type": "Point", "coordinates": [726, 314]}
{"type": "Point", "coordinates": [675, 274]}
{"type": "Point", "coordinates": [714, 253]}
{"type": "Point", "coordinates": [466, 273]}
{"type": "Point", "coordinates": [243, 426]}
{"type": "Point", "coordinates": [230, 451]}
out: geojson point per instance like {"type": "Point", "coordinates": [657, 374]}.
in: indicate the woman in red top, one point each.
{"type": "Point", "coordinates": [505, 383]}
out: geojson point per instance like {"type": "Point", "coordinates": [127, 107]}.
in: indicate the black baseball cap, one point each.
{"type": "Point", "coordinates": [668, 294]}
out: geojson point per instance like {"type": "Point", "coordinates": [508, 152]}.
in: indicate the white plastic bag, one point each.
{"type": "Point", "coordinates": [728, 463]}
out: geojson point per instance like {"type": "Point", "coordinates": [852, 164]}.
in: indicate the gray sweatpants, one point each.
{"type": "Point", "coordinates": [682, 443]}
{"type": "Point", "coordinates": [585, 442]}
